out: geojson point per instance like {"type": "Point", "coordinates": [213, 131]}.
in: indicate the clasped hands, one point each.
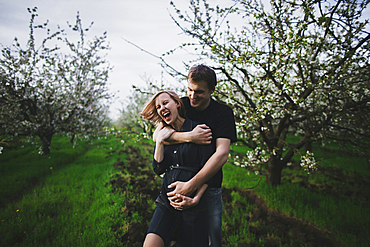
{"type": "Point", "coordinates": [178, 198]}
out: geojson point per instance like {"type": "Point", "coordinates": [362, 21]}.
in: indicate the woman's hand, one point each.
{"type": "Point", "coordinates": [163, 134]}
{"type": "Point", "coordinates": [181, 202]}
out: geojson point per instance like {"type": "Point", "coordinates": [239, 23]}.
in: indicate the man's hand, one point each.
{"type": "Point", "coordinates": [182, 188]}
{"type": "Point", "coordinates": [201, 134]}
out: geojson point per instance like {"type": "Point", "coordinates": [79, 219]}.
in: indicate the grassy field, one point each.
{"type": "Point", "coordinates": [101, 193]}
{"type": "Point", "coordinates": [335, 199]}
{"type": "Point", "coordinates": [60, 199]}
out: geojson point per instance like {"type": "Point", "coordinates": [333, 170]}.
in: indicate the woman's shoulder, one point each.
{"type": "Point", "coordinates": [188, 125]}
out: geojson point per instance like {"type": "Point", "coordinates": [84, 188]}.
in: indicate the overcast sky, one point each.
{"type": "Point", "coordinates": [146, 23]}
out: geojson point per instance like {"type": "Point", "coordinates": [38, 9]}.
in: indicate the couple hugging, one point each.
{"type": "Point", "coordinates": [193, 138]}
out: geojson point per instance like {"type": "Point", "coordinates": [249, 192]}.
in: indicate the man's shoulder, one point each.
{"type": "Point", "coordinates": [219, 106]}
{"type": "Point", "coordinates": [215, 108]}
{"type": "Point", "coordinates": [185, 98]}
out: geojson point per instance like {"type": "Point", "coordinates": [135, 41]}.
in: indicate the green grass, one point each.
{"type": "Point", "coordinates": [68, 204]}
{"type": "Point", "coordinates": [61, 199]}
{"type": "Point", "coordinates": [237, 217]}
{"type": "Point", "coordinates": [345, 217]}
{"type": "Point", "coordinates": [23, 168]}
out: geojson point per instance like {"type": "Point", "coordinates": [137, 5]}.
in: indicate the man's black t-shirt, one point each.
{"type": "Point", "coordinates": [220, 118]}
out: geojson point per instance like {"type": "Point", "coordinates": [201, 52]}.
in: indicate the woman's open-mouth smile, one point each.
{"type": "Point", "coordinates": [167, 116]}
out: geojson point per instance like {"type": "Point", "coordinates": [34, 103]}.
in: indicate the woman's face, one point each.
{"type": "Point", "coordinates": [167, 108]}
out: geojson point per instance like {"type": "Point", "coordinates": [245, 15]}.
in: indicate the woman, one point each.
{"type": "Point", "coordinates": [179, 162]}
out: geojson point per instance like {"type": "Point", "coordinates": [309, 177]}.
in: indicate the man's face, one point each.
{"type": "Point", "coordinates": [199, 94]}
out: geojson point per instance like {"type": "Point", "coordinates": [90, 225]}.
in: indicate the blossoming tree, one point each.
{"type": "Point", "coordinates": [293, 67]}
{"type": "Point", "coordinates": [54, 86]}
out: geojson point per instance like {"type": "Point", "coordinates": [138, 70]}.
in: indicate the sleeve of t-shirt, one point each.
{"type": "Point", "coordinates": [226, 125]}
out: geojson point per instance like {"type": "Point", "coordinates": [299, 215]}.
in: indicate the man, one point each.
{"type": "Point", "coordinates": [219, 129]}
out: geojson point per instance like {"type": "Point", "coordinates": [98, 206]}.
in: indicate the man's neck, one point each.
{"type": "Point", "coordinates": [202, 108]}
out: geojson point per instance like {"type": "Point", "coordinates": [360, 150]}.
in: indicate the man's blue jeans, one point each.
{"type": "Point", "coordinates": [214, 200]}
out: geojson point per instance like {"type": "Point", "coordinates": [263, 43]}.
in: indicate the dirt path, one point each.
{"type": "Point", "coordinates": [135, 178]}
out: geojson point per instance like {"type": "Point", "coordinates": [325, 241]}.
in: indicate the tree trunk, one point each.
{"type": "Point", "coordinates": [46, 141]}
{"type": "Point", "coordinates": [273, 170]}
{"type": "Point", "coordinates": [307, 146]}
{"type": "Point", "coordinates": [72, 138]}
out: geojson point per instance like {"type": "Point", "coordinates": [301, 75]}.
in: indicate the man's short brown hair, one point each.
{"type": "Point", "coordinates": [202, 72]}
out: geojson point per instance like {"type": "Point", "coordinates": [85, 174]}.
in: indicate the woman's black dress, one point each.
{"type": "Point", "coordinates": [181, 162]}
